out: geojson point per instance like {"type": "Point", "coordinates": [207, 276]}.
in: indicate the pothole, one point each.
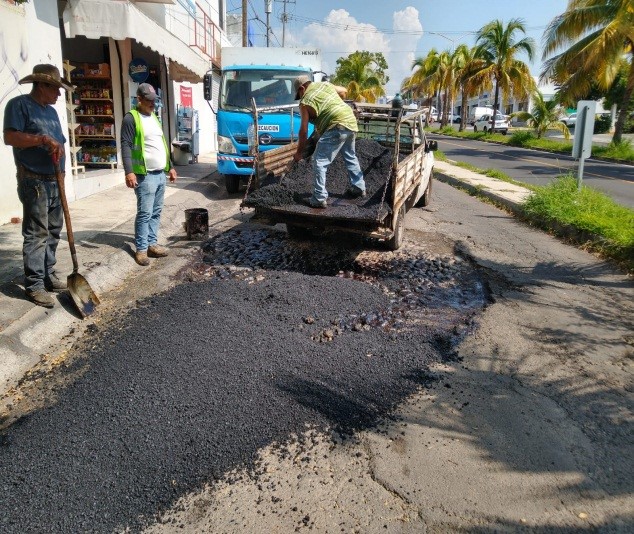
{"type": "Point", "coordinates": [439, 292]}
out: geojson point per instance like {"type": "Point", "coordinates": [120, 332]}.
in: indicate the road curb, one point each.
{"type": "Point", "coordinates": [479, 190]}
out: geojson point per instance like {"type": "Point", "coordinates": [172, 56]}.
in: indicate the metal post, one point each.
{"type": "Point", "coordinates": [267, 9]}
{"type": "Point", "coordinates": [244, 23]}
{"type": "Point", "coordinates": [582, 135]}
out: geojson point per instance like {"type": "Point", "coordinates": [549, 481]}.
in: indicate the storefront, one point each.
{"type": "Point", "coordinates": [105, 47]}
{"type": "Point", "coordinates": [113, 46]}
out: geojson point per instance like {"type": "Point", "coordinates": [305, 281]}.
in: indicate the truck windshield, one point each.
{"type": "Point", "coordinates": [268, 87]}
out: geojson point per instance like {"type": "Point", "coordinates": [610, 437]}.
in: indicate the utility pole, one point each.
{"type": "Point", "coordinates": [285, 19]}
{"type": "Point", "coordinates": [244, 23]}
{"type": "Point", "coordinates": [268, 7]}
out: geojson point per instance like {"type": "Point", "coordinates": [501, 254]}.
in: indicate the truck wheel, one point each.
{"type": "Point", "coordinates": [426, 198]}
{"type": "Point", "coordinates": [232, 183]}
{"type": "Point", "coordinates": [475, 128]}
{"type": "Point", "coordinates": [395, 242]}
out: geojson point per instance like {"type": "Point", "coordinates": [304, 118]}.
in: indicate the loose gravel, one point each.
{"type": "Point", "coordinates": [297, 186]}
{"type": "Point", "coordinates": [192, 383]}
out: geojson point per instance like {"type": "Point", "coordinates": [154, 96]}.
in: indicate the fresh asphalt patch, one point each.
{"type": "Point", "coordinates": [192, 383]}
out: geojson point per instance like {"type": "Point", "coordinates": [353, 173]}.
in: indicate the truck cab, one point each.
{"type": "Point", "coordinates": [264, 78]}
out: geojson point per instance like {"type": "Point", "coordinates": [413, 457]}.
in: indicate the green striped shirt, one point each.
{"type": "Point", "coordinates": [330, 108]}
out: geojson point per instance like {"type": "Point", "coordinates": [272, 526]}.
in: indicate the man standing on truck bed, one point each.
{"type": "Point", "coordinates": [321, 103]}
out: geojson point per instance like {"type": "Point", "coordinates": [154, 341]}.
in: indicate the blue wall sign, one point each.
{"type": "Point", "coordinates": [138, 70]}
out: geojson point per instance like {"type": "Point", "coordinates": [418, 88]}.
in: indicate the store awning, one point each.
{"type": "Point", "coordinates": [120, 19]}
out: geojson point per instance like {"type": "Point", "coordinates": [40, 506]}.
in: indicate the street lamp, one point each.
{"type": "Point", "coordinates": [453, 49]}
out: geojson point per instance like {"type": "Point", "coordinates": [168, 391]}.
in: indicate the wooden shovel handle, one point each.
{"type": "Point", "coordinates": [69, 227]}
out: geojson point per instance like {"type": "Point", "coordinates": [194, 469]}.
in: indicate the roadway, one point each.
{"type": "Point", "coordinates": [540, 168]}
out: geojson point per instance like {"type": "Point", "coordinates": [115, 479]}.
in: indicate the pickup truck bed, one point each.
{"type": "Point", "coordinates": [397, 175]}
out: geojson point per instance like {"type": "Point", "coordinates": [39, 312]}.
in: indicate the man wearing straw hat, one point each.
{"type": "Point", "coordinates": [32, 127]}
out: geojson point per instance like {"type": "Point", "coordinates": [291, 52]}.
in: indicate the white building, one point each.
{"type": "Point", "coordinates": [113, 45]}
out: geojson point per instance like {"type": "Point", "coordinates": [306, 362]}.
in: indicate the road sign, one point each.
{"type": "Point", "coordinates": [582, 146]}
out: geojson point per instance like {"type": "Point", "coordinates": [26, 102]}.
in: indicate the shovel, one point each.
{"type": "Point", "coordinates": [287, 170]}
{"type": "Point", "coordinates": [80, 291]}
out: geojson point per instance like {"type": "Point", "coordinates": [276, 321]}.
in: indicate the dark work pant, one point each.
{"type": "Point", "coordinates": [41, 226]}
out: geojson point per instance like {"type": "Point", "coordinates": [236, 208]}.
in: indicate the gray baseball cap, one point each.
{"type": "Point", "coordinates": [298, 82]}
{"type": "Point", "coordinates": [146, 91]}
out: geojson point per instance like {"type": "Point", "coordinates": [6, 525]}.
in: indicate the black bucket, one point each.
{"type": "Point", "coordinates": [197, 223]}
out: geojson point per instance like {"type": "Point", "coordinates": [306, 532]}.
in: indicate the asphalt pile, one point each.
{"type": "Point", "coordinates": [192, 383]}
{"type": "Point", "coordinates": [296, 187]}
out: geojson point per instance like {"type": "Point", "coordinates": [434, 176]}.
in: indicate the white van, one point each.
{"type": "Point", "coordinates": [478, 112]}
{"type": "Point", "coordinates": [432, 113]}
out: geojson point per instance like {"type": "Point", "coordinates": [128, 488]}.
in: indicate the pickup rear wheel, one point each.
{"type": "Point", "coordinates": [475, 128]}
{"type": "Point", "coordinates": [395, 242]}
{"type": "Point", "coordinates": [426, 198]}
{"type": "Point", "coordinates": [232, 183]}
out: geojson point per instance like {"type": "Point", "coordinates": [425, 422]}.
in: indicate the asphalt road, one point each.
{"type": "Point", "coordinates": [540, 168]}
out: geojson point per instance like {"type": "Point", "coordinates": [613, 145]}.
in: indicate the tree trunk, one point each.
{"type": "Point", "coordinates": [625, 104]}
{"type": "Point", "coordinates": [463, 110]}
{"type": "Point", "coordinates": [495, 101]}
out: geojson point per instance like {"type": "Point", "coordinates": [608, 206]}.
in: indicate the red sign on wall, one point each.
{"type": "Point", "coordinates": [186, 96]}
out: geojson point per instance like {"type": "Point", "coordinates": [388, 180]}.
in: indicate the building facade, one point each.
{"type": "Point", "coordinates": [108, 47]}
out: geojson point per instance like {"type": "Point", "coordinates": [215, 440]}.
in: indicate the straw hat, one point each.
{"type": "Point", "coordinates": [47, 74]}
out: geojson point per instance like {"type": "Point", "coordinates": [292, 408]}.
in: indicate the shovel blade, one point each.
{"type": "Point", "coordinates": [83, 296]}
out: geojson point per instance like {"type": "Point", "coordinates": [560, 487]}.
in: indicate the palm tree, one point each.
{"type": "Point", "coordinates": [597, 34]}
{"type": "Point", "coordinates": [470, 78]}
{"type": "Point", "coordinates": [545, 115]}
{"type": "Point", "coordinates": [430, 74]}
{"type": "Point", "coordinates": [497, 46]}
{"type": "Point", "coordinates": [363, 74]}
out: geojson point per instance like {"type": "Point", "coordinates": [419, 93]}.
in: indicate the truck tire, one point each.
{"type": "Point", "coordinates": [395, 242]}
{"type": "Point", "coordinates": [475, 128]}
{"type": "Point", "coordinates": [426, 198]}
{"type": "Point", "coordinates": [232, 183]}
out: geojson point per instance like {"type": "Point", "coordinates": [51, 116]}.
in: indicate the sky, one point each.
{"type": "Point", "coordinates": [401, 30]}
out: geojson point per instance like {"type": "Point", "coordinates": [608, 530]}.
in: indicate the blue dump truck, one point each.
{"type": "Point", "coordinates": [261, 77]}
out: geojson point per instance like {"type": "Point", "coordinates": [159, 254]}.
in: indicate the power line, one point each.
{"type": "Point", "coordinates": [368, 28]}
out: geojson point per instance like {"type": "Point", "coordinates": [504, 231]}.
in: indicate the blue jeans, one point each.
{"type": "Point", "coordinates": [42, 222]}
{"type": "Point", "coordinates": [328, 146]}
{"type": "Point", "coordinates": [150, 192]}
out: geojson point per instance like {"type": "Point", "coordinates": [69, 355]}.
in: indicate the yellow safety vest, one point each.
{"type": "Point", "coordinates": [138, 160]}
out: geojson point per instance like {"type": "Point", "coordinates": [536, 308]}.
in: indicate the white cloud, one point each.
{"type": "Point", "coordinates": [341, 34]}
{"type": "Point", "coordinates": [402, 46]}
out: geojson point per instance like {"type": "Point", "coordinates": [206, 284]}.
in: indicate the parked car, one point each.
{"type": "Point", "coordinates": [485, 124]}
{"type": "Point", "coordinates": [570, 120]}
{"type": "Point", "coordinates": [477, 112]}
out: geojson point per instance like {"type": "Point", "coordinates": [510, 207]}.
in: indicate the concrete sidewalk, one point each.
{"type": "Point", "coordinates": [103, 225]}
{"type": "Point", "coordinates": [502, 193]}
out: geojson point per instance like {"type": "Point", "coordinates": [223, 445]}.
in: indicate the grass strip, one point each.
{"type": "Point", "coordinates": [589, 217]}
{"type": "Point", "coordinates": [524, 138]}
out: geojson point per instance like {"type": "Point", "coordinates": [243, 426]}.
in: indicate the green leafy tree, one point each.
{"type": "Point", "coordinates": [363, 74]}
{"type": "Point", "coordinates": [594, 36]}
{"type": "Point", "coordinates": [497, 45]}
{"type": "Point", "coordinates": [545, 115]}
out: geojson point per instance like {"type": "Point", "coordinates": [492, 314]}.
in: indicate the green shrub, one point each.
{"type": "Point", "coordinates": [620, 151]}
{"type": "Point", "coordinates": [602, 124]}
{"type": "Point", "coordinates": [521, 137]}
